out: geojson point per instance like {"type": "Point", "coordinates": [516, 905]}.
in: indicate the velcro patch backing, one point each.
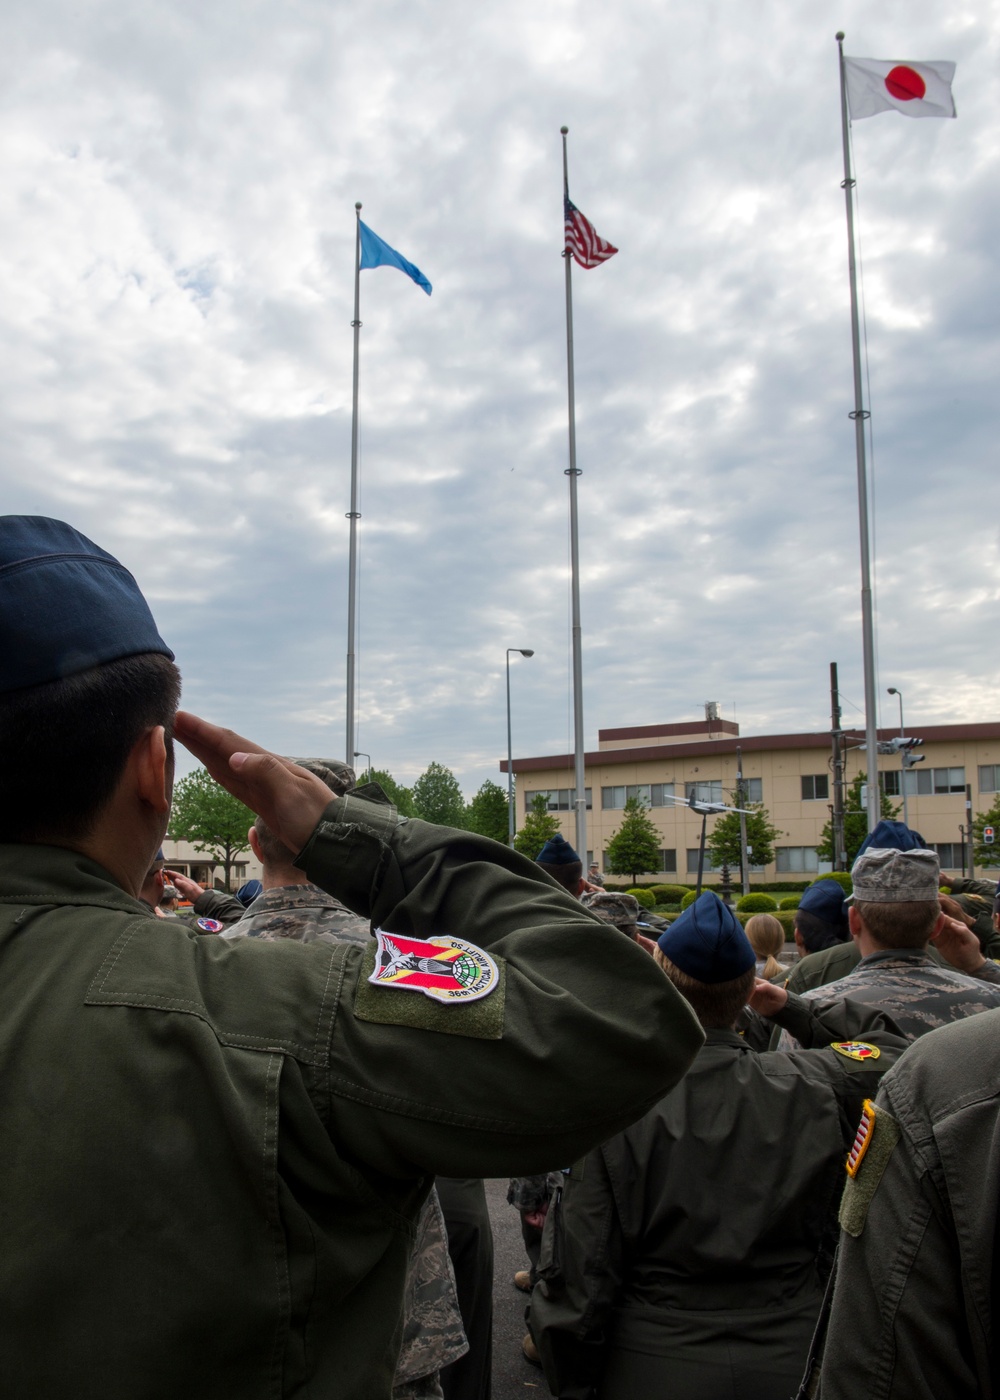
{"type": "Point", "coordinates": [386, 1005]}
{"type": "Point", "coordinates": [882, 1138]}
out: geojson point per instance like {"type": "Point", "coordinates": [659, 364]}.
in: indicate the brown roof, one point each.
{"type": "Point", "coordinates": [664, 731]}
{"type": "Point", "coordinates": [930, 733]}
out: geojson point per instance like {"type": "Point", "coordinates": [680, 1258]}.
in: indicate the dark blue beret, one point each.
{"type": "Point", "coordinates": [825, 900]}
{"type": "Point", "coordinates": [892, 836]}
{"type": "Point", "coordinates": [556, 851]}
{"type": "Point", "coordinates": [65, 604]}
{"type": "Point", "coordinates": [707, 942]}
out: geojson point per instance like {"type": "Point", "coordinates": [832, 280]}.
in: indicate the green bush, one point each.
{"type": "Point", "coordinates": [790, 901]}
{"type": "Point", "coordinates": [644, 895]}
{"type": "Point", "coordinates": [843, 879]}
{"type": "Point", "coordinates": [757, 904]}
{"type": "Point", "coordinates": [669, 894]}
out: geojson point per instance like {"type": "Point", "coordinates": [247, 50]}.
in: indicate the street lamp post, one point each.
{"type": "Point", "coordinates": [359, 754]}
{"type": "Point", "coordinates": [902, 759]}
{"type": "Point", "coordinates": [511, 651]}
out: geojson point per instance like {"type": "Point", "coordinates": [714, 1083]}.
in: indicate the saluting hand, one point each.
{"type": "Point", "coordinates": [958, 945]}
{"type": "Point", "coordinates": [290, 799]}
{"type": "Point", "coordinates": [766, 999]}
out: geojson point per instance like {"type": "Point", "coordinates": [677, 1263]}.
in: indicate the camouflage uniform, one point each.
{"type": "Point", "coordinates": [432, 1323]}
{"type": "Point", "coordinates": [301, 911]}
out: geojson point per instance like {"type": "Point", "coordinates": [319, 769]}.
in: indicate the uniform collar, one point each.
{"type": "Point", "coordinates": [56, 875]}
{"type": "Point", "coordinates": [730, 1038]}
{"type": "Point", "coordinates": [910, 955]}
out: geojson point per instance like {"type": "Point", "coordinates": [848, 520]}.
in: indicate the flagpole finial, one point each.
{"type": "Point", "coordinates": [840, 36]}
{"type": "Point", "coordinates": [358, 205]}
{"type": "Point", "coordinates": [564, 130]}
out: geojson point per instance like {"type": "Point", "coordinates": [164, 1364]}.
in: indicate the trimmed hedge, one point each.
{"type": "Point", "coordinates": [669, 894]}
{"type": "Point", "coordinates": [692, 895]}
{"type": "Point", "coordinates": [843, 879]}
{"type": "Point", "coordinates": [785, 918]}
{"type": "Point", "coordinates": [756, 904]}
{"type": "Point", "coordinates": [643, 894]}
{"type": "Point", "coordinates": [790, 901]}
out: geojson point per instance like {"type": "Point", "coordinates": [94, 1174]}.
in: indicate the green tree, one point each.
{"type": "Point", "coordinates": [488, 812]}
{"type": "Point", "coordinates": [539, 825]}
{"type": "Point", "coordinates": [855, 822]}
{"type": "Point", "coordinates": [210, 818]}
{"type": "Point", "coordinates": [986, 855]}
{"type": "Point", "coordinates": [635, 847]}
{"type": "Point", "coordinates": [438, 798]}
{"type": "Point", "coordinates": [723, 841]}
{"type": "Point", "coordinates": [401, 797]}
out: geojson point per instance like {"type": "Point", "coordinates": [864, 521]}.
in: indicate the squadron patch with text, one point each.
{"type": "Point", "coordinates": [209, 925]}
{"type": "Point", "coordinates": [446, 969]}
{"type": "Point", "coordinates": [856, 1049]}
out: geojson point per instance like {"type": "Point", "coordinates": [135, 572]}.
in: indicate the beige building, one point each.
{"type": "Point", "coordinates": [182, 856]}
{"type": "Point", "coordinates": [789, 773]}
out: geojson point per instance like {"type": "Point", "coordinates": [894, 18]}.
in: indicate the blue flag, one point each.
{"type": "Point", "coordinates": [376, 253]}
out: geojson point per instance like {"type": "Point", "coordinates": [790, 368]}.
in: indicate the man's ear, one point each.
{"type": "Point", "coordinates": [854, 921]}
{"type": "Point", "coordinates": [255, 844]}
{"type": "Point", "coordinates": [153, 769]}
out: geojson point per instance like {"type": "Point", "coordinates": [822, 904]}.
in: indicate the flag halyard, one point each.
{"type": "Point", "coordinates": [583, 241]}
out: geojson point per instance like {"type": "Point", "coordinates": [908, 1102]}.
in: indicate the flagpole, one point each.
{"type": "Point", "coordinates": [353, 515]}
{"type": "Point", "coordinates": [573, 471]}
{"type": "Point", "coordinates": [859, 415]}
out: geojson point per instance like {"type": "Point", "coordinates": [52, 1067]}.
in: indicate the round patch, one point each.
{"type": "Point", "coordinates": [448, 970]}
{"type": "Point", "coordinates": [209, 925]}
{"type": "Point", "coordinates": [856, 1050]}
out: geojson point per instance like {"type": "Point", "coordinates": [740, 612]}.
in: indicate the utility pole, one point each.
{"type": "Point", "coordinates": [969, 831]}
{"type": "Point", "coordinates": [740, 795]}
{"type": "Point", "coordinates": [836, 740]}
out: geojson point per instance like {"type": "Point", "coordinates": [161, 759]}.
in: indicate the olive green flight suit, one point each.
{"type": "Point", "coordinates": [917, 1294]}
{"type": "Point", "coordinates": [688, 1255]}
{"type": "Point", "coordinates": [214, 1152]}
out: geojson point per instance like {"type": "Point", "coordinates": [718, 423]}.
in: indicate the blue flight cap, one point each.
{"type": "Point", "coordinates": [65, 605]}
{"type": "Point", "coordinates": [557, 851]}
{"type": "Point", "coordinates": [825, 900]}
{"type": "Point", "coordinates": [707, 942]}
{"type": "Point", "coordinates": [892, 836]}
{"type": "Point", "coordinates": [246, 894]}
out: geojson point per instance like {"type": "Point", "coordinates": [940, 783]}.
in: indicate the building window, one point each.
{"type": "Point", "coordinates": [796, 860]}
{"type": "Point", "coordinates": [668, 861]}
{"type": "Point", "coordinates": [709, 791]}
{"type": "Point", "coordinates": [815, 787]}
{"type": "Point", "coordinates": [989, 777]}
{"type": "Point", "coordinates": [649, 794]}
{"type": "Point", "coordinates": [920, 782]}
{"type": "Point", "coordinates": [951, 855]}
{"type": "Point", "coordinates": [889, 782]}
{"type": "Point", "coordinates": [557, 799]}
{"type": "Point", "coordinates": [754, 789]}
{"type": "Point", "coordinates": [692, 860]}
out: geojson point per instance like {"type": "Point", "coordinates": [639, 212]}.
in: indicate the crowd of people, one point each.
{"type": "Point", "coordinates": [246, 1141]}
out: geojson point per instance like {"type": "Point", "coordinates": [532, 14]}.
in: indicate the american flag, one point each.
{"type": "Point", "coordinates": [589, 249]}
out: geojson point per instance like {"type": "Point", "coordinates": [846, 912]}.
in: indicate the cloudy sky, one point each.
{"type": "Point", "coordinates": [177, 186]}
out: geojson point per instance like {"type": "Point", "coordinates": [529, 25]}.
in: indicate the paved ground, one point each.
{"type": "Point", "coordinates": [513, 1377]}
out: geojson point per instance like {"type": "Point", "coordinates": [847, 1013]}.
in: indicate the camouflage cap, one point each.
{"type": "Point", "coordinates": [884, 875]}
{"type": "Point", "coordinates": [339, 777]}
{"type": "Point", "coordinates": [622, 910]}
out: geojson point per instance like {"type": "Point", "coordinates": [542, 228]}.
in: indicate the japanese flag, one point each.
{"type": "Point", "coordinates": [914, 89]}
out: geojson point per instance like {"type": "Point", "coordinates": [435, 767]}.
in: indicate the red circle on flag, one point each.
{"type": "Point", "coordinates": [905, 84]}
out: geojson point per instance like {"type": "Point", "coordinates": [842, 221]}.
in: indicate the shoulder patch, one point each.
{"type": "Point", "coordinates": [856, 1049]}
{"type": "Point", "coordinates": [385, 1000]}
{"type": "Point", "coordinates": [209, 925]}
{"type": "Point", "coordinates": [876, 1139]}
{"type": "Point", "coordinates": [447, 969]}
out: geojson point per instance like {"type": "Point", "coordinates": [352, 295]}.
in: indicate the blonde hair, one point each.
{"type": "Point", "coordinates": [767, 938]}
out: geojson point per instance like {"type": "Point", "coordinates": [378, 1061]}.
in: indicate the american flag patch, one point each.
{"type": "Point", "coordinates": [862, 1138]}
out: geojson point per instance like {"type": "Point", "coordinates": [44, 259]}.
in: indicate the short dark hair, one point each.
{"type": "Point", "coordinates": [64, 744]}
{"type": "Point", "coordinates": [568, 875]}
{"type": "Point", "coordinates": [816, 933]}
{"type": "Point", "coordinates": [899, 923]}
{"type": "Point", "coordinates": [717, 1005]}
